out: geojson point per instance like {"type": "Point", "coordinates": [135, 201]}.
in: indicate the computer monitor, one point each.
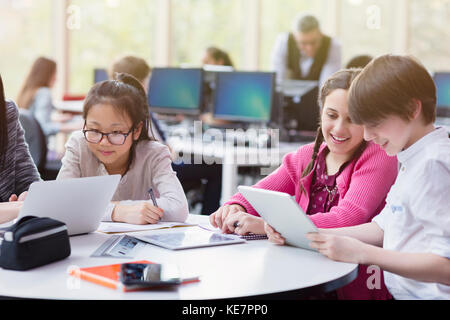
{"type": "Point", "coordinates": [175, 90]}
{"type": "Point", "coordinates": [100, 75]}
{"type": "Point", "coordinates": [244, 96]}
{"type": "Point", "coordinates": [442, 81]}
{"type": "Point", "coordinates": [209, 84]}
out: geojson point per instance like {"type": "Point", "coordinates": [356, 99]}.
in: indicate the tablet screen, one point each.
{"type": "Point", "coordinates": [191, 237]}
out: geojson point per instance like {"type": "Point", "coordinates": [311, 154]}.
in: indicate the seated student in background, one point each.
{"type": "Point", "coordinates": [394, 99]}
{"type": "Point", "coordinates": [359, 61]}
{"type": "Point", "coordinates": [138, 68]}
{"type": "Point", "coordinates": [186, 173]}
{"type": "Point", "coordinates": [115, 140]}
{"type": "Point", "coordinates": [339, 180]}
{"type": "Point", "coordinates": [35, 95]}
{"type": "Point", "coordinates": [216, 56]}
{"type": "Point", "coordinates": [17, 169]}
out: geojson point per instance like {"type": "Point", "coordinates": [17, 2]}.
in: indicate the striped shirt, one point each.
{"type": "Point", "coordinates": [19, 169]}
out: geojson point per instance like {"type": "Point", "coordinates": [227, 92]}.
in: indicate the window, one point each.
{"type": "Point", "coordinates": [106, 30]}
{"type": "Point", "coordinates": [366, 27]}
{"type": "Point", "coordinates": [102, 30]}
{"type": "Point", "coordinates": [278, 16]}
{"type": "Point", "coordinates": [198, 24]}
{"type": "Point", "coordinates": [430, 33]}
{"type": "Point", "coordinates": [25, 34]}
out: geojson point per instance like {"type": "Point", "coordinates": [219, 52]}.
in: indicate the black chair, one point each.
{"type": "Point", "coordinates": [194, 191]}
{"type": "Point", "coordinates": [37, 144]}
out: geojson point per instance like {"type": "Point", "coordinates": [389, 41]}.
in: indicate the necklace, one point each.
{"type": "Point", "coordinates": [331, 193]}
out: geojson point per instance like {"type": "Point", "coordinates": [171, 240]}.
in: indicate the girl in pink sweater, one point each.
{"type": "Point", "coordinates": [340, 180]}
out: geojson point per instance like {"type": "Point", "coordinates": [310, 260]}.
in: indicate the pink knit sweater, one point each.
{"type": "Point", "coordinates": [362, 185]}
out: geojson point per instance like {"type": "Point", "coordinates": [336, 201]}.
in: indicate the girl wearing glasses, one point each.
{"type": "Point", "coordinates": [115, 140]}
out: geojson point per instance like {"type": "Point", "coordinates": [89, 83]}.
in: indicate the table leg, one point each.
{"type": "Point", "coordinates": [229, 180]}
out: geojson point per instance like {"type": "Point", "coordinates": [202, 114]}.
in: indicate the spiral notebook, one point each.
{"type": "Point", "coordinates": [254, 236]}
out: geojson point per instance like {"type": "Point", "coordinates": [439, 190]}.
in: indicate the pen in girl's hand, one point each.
{"type": "Point", "coordinates": [152, 196]}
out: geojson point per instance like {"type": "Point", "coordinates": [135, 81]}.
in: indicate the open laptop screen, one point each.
{"type": "Point", "coordinates": [442, 81]}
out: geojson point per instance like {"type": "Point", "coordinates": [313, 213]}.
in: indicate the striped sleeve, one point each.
{"type": "Point", "coordinates": [26, 171]}
{"type": "Point", "coordinates": [20, 170]}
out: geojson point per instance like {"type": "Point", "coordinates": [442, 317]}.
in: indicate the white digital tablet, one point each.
{"type": "Point", "coordinates": [281, 211]}
{"type": "Point", "coordinates": [187, 238]}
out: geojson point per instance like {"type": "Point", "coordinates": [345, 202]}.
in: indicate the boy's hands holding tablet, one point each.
{"type": "Point", "coordinates": [337, 247]}
{"type": "Point", "coordinates": [334, 247]}
{"type": "Point", "coordinates": [273, 236]}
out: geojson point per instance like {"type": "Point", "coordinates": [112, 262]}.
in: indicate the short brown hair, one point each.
{"type": "Point", "coordinates": [219, 54]}
{"type": "Point", "coordinates": [387, 86]}
{"type": "Point", "coordinates": [135, 66]}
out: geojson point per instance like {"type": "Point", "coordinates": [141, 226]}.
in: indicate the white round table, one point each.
{"type": "Point", "coordinates": [256, 268]}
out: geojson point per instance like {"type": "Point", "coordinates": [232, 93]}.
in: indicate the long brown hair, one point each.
{"type": "Point", "coordinates": [340, 80]}
{"type": "Point", "coordinates": [41, 73]}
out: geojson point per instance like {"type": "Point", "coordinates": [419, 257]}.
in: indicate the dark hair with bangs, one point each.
{"type": "Point", "coordinates": [127, 96]}
{"type": "Point", "coordinates": [388, 85]}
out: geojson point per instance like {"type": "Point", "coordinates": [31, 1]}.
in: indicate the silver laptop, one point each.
{"type": "Point", "coordinates": [80, 202]}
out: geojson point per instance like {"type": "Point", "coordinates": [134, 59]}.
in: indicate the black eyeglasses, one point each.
{"type": "Point", "coordinates": [115, 138]}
